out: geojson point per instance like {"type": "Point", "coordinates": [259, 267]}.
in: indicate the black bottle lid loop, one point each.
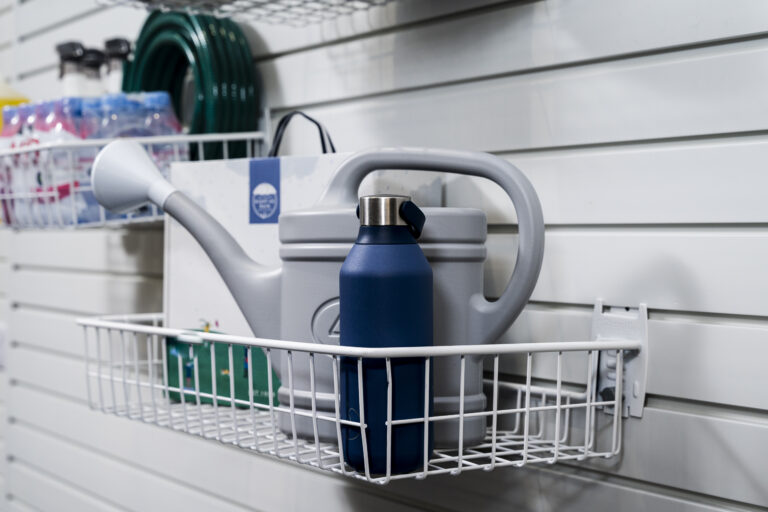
{"type": "Point", "coordinates": [414, 217]}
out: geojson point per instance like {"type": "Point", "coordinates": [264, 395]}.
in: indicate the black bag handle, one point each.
{"type": "Point", "coordinates": [325, 138]}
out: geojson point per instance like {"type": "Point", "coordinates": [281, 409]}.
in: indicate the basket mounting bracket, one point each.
{"type": "Point", "coordinates": [622, 323]}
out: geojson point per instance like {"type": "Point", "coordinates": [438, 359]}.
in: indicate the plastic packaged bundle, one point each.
{"type": "Point", "coordinates": [11, 127]}
{"type": "Point", "coordinates": [70, 178]}
{"type": "Point", "coordinates": [52, 186]}
{"type": "Point", "coordinates": [22, 175]}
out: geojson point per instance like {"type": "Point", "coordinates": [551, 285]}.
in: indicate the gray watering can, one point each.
{"type": "Point", "coordinates": [298, 301]}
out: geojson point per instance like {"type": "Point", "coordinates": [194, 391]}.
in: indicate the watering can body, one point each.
{"type": "Point", "coordinates": [299, 300]}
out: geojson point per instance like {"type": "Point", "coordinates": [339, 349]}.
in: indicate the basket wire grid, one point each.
{"type": "Point", "coordinates": [296, 13]}
{"type": "Point", "coordinates": [529, 421]}
{"type": "Point", "coordinates": [48, 185]}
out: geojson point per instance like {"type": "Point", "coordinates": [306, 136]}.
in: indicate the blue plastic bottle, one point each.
{"type": "Point", "coordinates": [92, 117]}
{"type": "Point", "coordinates": [123, 115]}
{"type": "Point", "coordinates": [90, 125]}
{"type": "Point", "coordinates": [161, 120]}
{"type": "Point", "coordinates": [386, 301]}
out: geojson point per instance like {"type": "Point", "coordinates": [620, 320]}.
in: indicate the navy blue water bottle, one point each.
{"type": "Point", "coordinates": [386, 301]}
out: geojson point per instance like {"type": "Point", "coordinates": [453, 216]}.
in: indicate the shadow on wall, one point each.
{"type": "Point", "coordinates": [532, 489]}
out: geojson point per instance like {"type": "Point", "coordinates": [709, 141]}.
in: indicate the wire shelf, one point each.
{"type": "Point", "coordinates": [44, 186]}
{"type": "Point", "coordinates": [138, 369]}
{"type": "Point", "coordinates": [296, 13]}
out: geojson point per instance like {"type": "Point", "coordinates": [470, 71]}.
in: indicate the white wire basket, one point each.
{"type": "Point", "coordinates": [48, 185]}
{"type": "Point", "coordinates": [545, 411]}
{"type": "Point", "coordinates": [295, 13]}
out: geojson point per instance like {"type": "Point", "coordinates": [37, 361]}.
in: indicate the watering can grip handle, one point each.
{"type": "Point", "coordinates": [488, 320]}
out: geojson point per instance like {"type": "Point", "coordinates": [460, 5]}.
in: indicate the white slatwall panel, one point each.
{"type": "Point", "coordinates": [38, 17]}
{"type": "Point", "coordinates": [110, 478]}
{"type": "Point", "coordinates": [5, 270]}
{"type": "Point", "coordinates": [642, 128]}
{"type": "Point", "coordinates": [58, 276]}
{"type": "Point", "coordinates": [265, 485]}
{"type": "Point", "coordinates": [620, 184]}
{"type": "Point", "coordinates": [270, 40]}
{"type": "Point", "coordinates": [670, 268]}
{"type": "Point", "coordinates": [30, 30]}
{"type": "Point", "coordinates": [14, 505]}
{"type": "Point", "coordinates": [652, 97]}
{"type": "Point", "coordinates": [490, 42]}
{"type": "Point", "coordinates": [40, 85]}
{"type": "Point", "coordinates": [625, 124]}
{"type": "Point", "coordinates": [7, 36]}
{"type": "Point", "coordinates": [28, 481]}
{"type": "Point", "coordinates": [36, 53]}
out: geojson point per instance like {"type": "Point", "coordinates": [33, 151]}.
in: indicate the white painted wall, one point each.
{"type": "Point", "coordinates": [642, 126]}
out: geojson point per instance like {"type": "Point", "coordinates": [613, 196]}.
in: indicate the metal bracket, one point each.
{"type": "Point", "coordinates": [622, 323]}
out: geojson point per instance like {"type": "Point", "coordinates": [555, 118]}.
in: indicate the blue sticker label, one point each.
{"type": "Point", "coordinates": [264, 192]}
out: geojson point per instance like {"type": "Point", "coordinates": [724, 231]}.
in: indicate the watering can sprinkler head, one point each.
{"type": "Point", "coordinates": [125, 177]}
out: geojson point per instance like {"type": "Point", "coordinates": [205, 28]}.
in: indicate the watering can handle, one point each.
{"type": "Point", "coordinates": [488, 320]}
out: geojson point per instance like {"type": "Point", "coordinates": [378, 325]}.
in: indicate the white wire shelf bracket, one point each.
{"type": "Point", "coordinates": [545, 402]}
{"type": "Point", "coordinates": [296, 13]}
{"type": "Point", "coordinates": [48, 185]}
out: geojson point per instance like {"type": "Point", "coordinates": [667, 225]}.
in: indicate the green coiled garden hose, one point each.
{"type": "Point", "coordinates": [216, 51]}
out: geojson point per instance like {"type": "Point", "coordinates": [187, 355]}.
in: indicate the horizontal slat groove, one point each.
{"type": "Point", "coordinates": [660, 314]}
{"type": "Point", "coordinates": [759, 228]}
{"type": "Point", "coordinates": [744, 228]}
{"type": "Point", "coordinates": [48, 351]}
{"type": "Point", "coordinates": [608, 144]}
{"type": "Point", "coordinates": [63, 22]}
{"type": "Point", "coordinates": [53, 393]}
{"type": "Point", "coordinates": [19, 505]}
{"type": "Point", "coordinates": [87, 272]}
{"type": "Point", "coordinates": [31, 73]}
{"type": "Point", "coordinates": [50, 309]}
{"type": "Point", "coordinates": [701, 408]}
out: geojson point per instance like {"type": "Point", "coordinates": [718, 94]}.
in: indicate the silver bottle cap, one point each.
{"type": "Point", "coordinates": [382, 210]}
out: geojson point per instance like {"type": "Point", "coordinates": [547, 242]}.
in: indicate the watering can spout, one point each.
{"type": "Point", "coordinates": [125, 177]}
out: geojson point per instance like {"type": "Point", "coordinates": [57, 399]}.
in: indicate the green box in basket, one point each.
{"type": "Point", "coordinates": [188, 352]}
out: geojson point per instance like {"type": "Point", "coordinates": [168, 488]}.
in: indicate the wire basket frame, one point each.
{"type": "Point", "coordinates": [531, 418]}
{"type": "Point", "coordinates": [48, 185]}
{"type": "Point", "coordinates": [296, 13]}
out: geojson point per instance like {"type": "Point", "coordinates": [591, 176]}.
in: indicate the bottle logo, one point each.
{"type": "Point", "coordinates": [325, 323]}
{"type": "Point", "coordinates": [264, 200]}
{"type": "Point", "coordinates": [264, 191]}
